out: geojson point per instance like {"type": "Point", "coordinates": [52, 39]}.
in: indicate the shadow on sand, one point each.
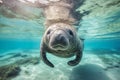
{"type": "Point", "coordinates": [89, 72]}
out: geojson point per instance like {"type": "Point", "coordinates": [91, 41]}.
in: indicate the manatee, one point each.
{"type": "Point", "coordinates": [60, 37]}
{"type": "Point", "coordinates": [61, 40]}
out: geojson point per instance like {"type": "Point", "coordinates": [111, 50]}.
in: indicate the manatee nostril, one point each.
{"type": "Point", "coordinates": [70, 32]}
{"type": "Point", "coordinates": [60, 38]}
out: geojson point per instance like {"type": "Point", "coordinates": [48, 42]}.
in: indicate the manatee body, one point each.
{"type": "Point", "coordinates": [61, 40]}
{"type": "Point", "coordinates": [60, 37]}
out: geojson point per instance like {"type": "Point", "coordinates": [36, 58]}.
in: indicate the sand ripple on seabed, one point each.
{"type": "Point", "coordinates": [64, 72]}
{"type": "Point", "coordinates": [43, 72]}
{"type": "Point", "coordinates": [61, 71]}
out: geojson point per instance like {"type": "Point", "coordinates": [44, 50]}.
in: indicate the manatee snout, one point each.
{"type": "Point", "coordinates": [59, 40]}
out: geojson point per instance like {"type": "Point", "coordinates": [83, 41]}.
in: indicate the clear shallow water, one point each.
{"type": "Point", "coordinates": [27, 44]}
{"type": "Point", "coordinates": [21, 30]}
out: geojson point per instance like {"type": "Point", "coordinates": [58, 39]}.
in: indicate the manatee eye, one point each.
{"type": "Point", "coordinates": [48, 31]}
{"type": "Point", "coordinates": [48, 35]}
{"type": "Point", "coordinates": [70, 32]}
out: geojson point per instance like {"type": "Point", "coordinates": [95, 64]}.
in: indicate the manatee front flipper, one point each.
{"type": "Point", "coordinates": [76, 60]}
{"type": "Point", "coordinates": [44, 58]}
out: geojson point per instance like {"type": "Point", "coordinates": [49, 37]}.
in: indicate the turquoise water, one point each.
{"type": "Point", "coordinates": [21, 30]}
{"type": "Point", "coordinates": [25, 44]}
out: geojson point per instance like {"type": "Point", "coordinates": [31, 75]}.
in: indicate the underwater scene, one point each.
{"type": "Point", "coordinates": [22, 28]}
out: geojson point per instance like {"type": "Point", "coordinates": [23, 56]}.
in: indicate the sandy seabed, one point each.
{"type": "Point", "coordinates": [95, 65]}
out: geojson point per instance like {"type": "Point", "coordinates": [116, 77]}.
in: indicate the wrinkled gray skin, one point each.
{"type": "Point", "coordinates": [60, 37]}
{"type": "Point", "coordinates": [61, 40]}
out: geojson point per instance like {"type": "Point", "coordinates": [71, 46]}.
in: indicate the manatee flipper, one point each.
{"type": "Point", "coordinates": [76, 60]}
{"type": "Point", "coordinates": [44, 58]}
